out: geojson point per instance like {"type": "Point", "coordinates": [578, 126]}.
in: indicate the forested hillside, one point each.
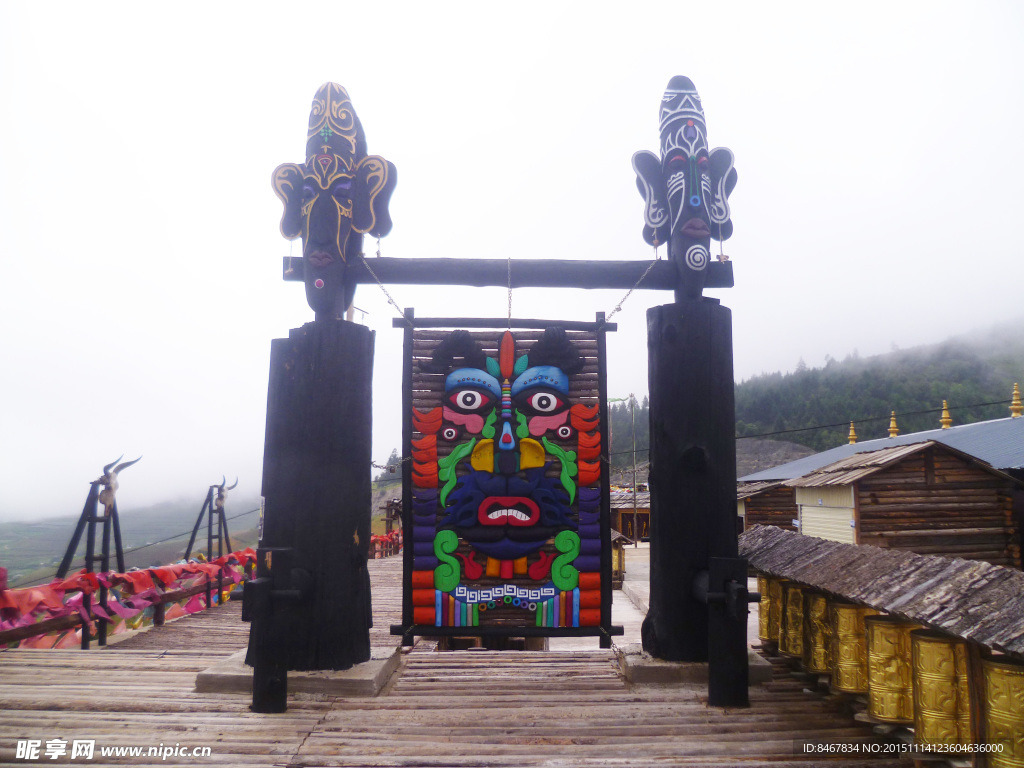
{"type": "Point", "coordinates": [969, 372]}
{"type": "Point", "coordinates": [621, 428]}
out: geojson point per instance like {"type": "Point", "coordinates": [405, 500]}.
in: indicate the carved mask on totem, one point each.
{"type": "Point", "coordinates": [686, 190]}
{"type": "Point", "coordinates": [339, 194]}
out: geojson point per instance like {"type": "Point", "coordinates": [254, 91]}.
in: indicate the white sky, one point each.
{"type": "Point", "coordinates": [877, 146]}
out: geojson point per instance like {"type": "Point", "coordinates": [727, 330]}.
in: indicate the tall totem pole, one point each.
{"type": "Point", "coordinates": [311, 606]}
{"type": "Point", "coordinates": [695, 612]}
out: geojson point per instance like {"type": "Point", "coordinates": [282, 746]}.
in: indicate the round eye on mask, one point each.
{"type": "Point", "coordinates": [449, 433]}
{"type": "Point", "coordinates": [544, 402]}
{"type": "Point", "coordinates": [470, 399]}
{"type": "Point", "coordinates": [308, 193]}
{"type": "Point", "coordinates": [564, 432]}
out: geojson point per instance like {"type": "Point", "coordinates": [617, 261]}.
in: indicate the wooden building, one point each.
{"type": "Point", "coordinates": [766, 503]}
{"type": "Point", "coordinates": [999, 442]}
{"type": "Point", "coordinates": [621, 513]}
{"type": "Point", "coordinates": [925, 497]}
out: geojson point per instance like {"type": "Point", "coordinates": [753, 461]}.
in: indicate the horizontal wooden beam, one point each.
{"type": "Point", "coordinates": [40, 628]}
{"type": "Point", "coordinates": [500, 322]}
{"type": "Point", "coordinates": [526, 273]}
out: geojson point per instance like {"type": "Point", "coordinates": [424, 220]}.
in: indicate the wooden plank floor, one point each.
{"type": "Point", "coordinates": [466, 708]}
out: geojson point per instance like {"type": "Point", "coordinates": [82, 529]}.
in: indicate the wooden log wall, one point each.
{"type": "Point", "coordinates": [428, 387]}
{"type": "Point", "coordinates": [774, 507]}
{"type": "Point", "coordinates": [935, 502]}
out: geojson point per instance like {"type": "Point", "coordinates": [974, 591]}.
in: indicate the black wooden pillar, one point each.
{"type": "Point", "coordinates": [693, 472]}
{"type": "Point", "coordinates": [316, 486]}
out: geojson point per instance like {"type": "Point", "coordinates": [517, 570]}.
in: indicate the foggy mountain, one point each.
{"type": "Point", "coordinates": [975, 373]}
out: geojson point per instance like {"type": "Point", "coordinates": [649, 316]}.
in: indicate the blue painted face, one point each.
{"type": "Point", "coordinates": [507, 504]}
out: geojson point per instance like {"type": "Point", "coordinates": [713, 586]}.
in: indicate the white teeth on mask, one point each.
{"type": "Point", "coordinates": [497, 514]}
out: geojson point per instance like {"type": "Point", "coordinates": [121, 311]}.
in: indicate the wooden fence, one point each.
{"type": "Point", "coordinates": [136, 598]}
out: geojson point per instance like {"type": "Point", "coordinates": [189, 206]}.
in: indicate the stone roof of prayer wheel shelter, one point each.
{"type": "Point", "coordinates": [975, 600]}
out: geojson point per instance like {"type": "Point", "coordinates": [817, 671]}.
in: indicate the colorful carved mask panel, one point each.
{"type": "Point", "coordinates": [336, 196]}
{"type": "Point", "coordinates": [686, 189]}
{"type": "Point", "coordinates": [506, 482]}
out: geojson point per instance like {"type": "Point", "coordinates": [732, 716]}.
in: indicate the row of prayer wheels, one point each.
{"type": "Point", "coordinates": [910, 675]}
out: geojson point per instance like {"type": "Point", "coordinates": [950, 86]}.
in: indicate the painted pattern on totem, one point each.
{"type": "Point", "coordinates": [507, 489]}
{"type": "Point", "coordinates": [685, 190]}
{"type": "Point", "coordinates": [339, 194]}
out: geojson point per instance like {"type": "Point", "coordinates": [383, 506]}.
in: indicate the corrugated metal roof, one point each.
{"type": "Point", "coordinates": [999, 443]}
{"type": "Point", "coordinates": [860, 465]}
{"type": "Point", "coordinates": [746, 490]}
{"type": "Point", "coordinates": [853, 468]}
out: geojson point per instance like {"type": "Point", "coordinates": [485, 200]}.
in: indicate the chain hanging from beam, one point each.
{"type": "Point", "coordinates": [629, 293]}
{"type": "Point", "coordinates": [398, 309]}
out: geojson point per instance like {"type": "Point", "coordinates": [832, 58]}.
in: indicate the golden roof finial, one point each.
{"type": "Point", "coordinates": [1016, 409]}
{"type": "Point", "coordinates": [946, 421]}
{"type": "Point", "coordinates": [853, 434]}
{"type": "Point", "coordinates": [894, 431]}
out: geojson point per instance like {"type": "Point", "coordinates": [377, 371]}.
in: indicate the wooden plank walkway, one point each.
{"type": "Point", "coordinates": [465, 708]}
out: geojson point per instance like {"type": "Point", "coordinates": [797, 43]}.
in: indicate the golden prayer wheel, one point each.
{"type": "Point", "coordinates": [763, 608]}
{"type": "Point", "coordinates": [1004, 712]}
{"type": "Point", "coordinates": [817, 655]}
{"type": "Point", "coordinates": [849, 646]}
{"type": "Point", "coordinates": [890, 669]}
{"type": "Point", "coordinates": [942, 692]}
{"type": "Point", "coordinates": [791, 631]}
{"type": "Point", "coordinates": [770, 618]}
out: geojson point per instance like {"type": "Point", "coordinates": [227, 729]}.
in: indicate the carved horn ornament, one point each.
{"type": "Point", "coordinates": [125, 465]}
{"type": "Point", "coordinates": [106, 467]}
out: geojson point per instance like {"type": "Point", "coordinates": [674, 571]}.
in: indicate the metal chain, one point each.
{"type": "Point", "coordinates": [362, 258]}
{"type": "Point", "coordinates": [629, 293]}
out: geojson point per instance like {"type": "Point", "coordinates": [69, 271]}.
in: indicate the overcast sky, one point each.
{"type": "Point", "coordinates": [877, 145]}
